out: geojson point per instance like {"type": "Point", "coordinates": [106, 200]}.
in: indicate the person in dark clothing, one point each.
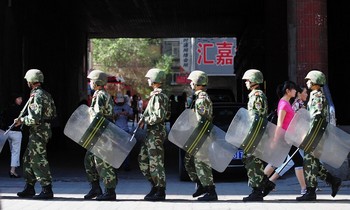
{"type": "Point", "coordinates": [15, 134]}
{"type": "Point", "coordinates": [135, 110]}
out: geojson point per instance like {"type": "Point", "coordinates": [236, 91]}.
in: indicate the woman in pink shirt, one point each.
{"type": "Point", "coordinates": [285, 113]}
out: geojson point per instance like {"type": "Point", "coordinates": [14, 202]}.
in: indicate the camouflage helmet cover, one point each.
{"type": "Point", "coordinates": [316, 77]}
{"type": "Point", "coordinates": [253, 75]}
{"type": "Point", "coordinates": [156, 75]}
{"type": "Point", "coordinates": [99, 77]}
{"type": "Point", "coordinates": [198, 77]}
{"type": "Point", "coordinates": [34, 75]}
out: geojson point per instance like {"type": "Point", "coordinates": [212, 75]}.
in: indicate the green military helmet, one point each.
{"type": "Point", "coordinates": [99, 77]}
{"type": "Point", "coordinates": [198, 77]}
{"type": "Point", "coordinates": [156, 75]}
{"type": "Point", "coordinates": [34, 75]}
{"type": "Point", "coordinates": [316, 77]}
{"type": "Point", "coordinates": [253, 75]}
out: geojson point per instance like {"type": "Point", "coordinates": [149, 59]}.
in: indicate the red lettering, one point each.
{"type": "Point", "coordinates": [224, 53]}
{"type": "Point", "coordinates": [202, 51]}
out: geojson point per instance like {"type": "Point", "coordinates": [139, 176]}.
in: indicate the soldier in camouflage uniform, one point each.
{"type": "Point", "coordinates": [40, 110]}
{"type": "Point", "coordinates": [257, 105]}
{"type": "Point", "coordinates": [95, 167]}
{"type": "Point", "coordinates": [197, 170]}
{"type": "Point", "coordinates": [151, 157]}
{"type": "Point", "coordinates": [313, 168]}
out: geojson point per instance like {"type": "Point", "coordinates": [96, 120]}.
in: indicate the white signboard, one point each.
{"type": "Point", "coordinates": [185, 54]}
{"type": "Point", "coordinates": [215, 56]}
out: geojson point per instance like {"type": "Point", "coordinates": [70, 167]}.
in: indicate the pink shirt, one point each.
{"type": "Point", "coordinates": [285, 105]}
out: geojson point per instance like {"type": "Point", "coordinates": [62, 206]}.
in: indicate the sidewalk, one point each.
{"type": "Point", "coordinates": [70, 189]}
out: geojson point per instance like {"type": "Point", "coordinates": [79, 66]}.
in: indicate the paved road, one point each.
{"type": "Point", "coordinates": [70, 186]}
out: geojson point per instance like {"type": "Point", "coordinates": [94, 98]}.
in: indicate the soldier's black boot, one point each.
{"type": "Point", "coordinates": [152, 192]}
{"type": "Point", "coordinates": [94, 191]}
{"type": "Point", "coordinates": [256, 195]}
{"type": "Point", "coordinates": [210, 194]}
{"type": "Point", "coordinates": [268, 186]}
{"type": "Point", "coordinates": [310, 195]}
{"type": "Point", "coordinates": [335, 183]}
{"type": "Point", "coordinates": [199, 189]}
{"type": "Point", "coordinates": [158, 196]}
{"type": "Point", "coordinates": [46, 193]}
{"type": "Point", "coordinates": [108, 195]}
{"type": "Point", "coordinates": [28, 191]}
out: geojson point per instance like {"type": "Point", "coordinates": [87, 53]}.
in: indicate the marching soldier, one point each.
{"type": "Point", "coordinates": [197, 170]}
{"type": "Point", "coordinates": [257, 105]}
{"type": "Point", "coordinates": [40, 110]}
{"type": "Point", "coordinates": [95, 167]}
{"type": "Point", "coordinates": [151, 157]}
{"type": "Point", "coordinates": [317, 106]}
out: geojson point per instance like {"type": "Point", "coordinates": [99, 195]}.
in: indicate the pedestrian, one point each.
{"type": "Point", "coordinates": [15, 134]}
{"type": "Point", "coordinates": [140, 106]}
{"type": "Point", "coordinates": [95, 167]}
{"type": "Point", "coordinates": [151, 157]}
{"type": "Point", "coordinates": [135, 110]}
{"type": "Point", "coordinates": [128, 97]}
{"type": "Point", "coordinates": [122, 112]}
{"type": "Point", "coordinates": [174, 110]}
{"type": "Point", "coordinates": [285, 113]}
{"type": "Point", "coordinates": [313, 168]}
{"type": "Point", "coordinates": [39, 112]}
{"type": "Point", "coordinates": [198, 171]}
{"type": "Point", "coordinates": [257, 105]}
{"type": "Point", "coordinates": [297, 103]}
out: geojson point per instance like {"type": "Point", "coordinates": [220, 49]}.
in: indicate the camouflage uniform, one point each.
{"type": "Point", "coordinates": [95, 167]}
{"type": "Point", "coordinates": [151, 157]}
{"type": "Point", "coordinates": [312, 167]}
{"type": "Point", "coordinates": [257, 105]}
{"type": "Point", "coordinates": [317, 106]}
{"type": "Point", "coordinates": [196, 169]}
{"type": "Point", "coordinates": [41, 109]}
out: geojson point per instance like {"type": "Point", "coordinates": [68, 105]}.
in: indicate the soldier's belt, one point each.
{"type": "Point", "coordinates": [93, 132]}
{"type": "Point", "coordinates": [254, 135]}
{"type": "Point", "coordinates": [198, 136]}
{"type": "Point", "coordinates": [314, 135]}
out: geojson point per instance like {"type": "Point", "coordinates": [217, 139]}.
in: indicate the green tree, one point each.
{"type": "Point", "coordinates": [130, 58]}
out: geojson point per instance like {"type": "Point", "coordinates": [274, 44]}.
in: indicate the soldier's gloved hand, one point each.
{"type": "Point", "coordinates": [18, 122]}
{"type": "Point", "coordinates": [92, 112]}
{"type": "Point", "coordinates": [141, 124]}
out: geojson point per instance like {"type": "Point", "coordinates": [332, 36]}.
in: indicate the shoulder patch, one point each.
{"type": "Point", "coordinates": [202, 95]}
{"type": "Point", "coordinates": [318, 94]}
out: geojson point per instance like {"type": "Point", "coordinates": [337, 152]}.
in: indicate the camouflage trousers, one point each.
{"type": "Point", "coordinates": [95, 168]}
{"type": "Point", "coordinates": [255, 170]}
{"type": "Point", "coordinates": [151, 157]}
{"type": "Point", "coordinates": [313, 168]}
{"type": "Point", "coordinates": [198, 170]}
{"type": "Point", "coordinates": [35, 163]}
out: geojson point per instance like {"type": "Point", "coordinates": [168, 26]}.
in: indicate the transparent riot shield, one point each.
{"type": "Point", "coordinates": [100, 136]}
{"type": "Point", "coordinates": [324, 141]}
{"type": "Point", "coordinates": [3, 139]}
{"type": "Point", "coordinates": [258, 137]}
{"type": "Point", "coordinates": [203, 140]}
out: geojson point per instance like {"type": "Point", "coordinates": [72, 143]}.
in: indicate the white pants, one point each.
{"type": "Point", "coordinates": [289, 165]}
{"type": "Point", "coordinates": [15, 140]}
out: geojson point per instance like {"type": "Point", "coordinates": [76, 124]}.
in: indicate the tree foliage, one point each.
{"type": "Point", "coordinates": [130, 58]}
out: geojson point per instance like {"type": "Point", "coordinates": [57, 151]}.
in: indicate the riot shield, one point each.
{"type": "Point", "coordinates": [203, 140]}
{"type": "Point", "coordinates": [100, 136]}
{"type": "Point", "coordinates": [324, 141]}
{"type": "Point", "coordinates": [3, 139]}
{"type": "Point", "coordinates": [258, 137]}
